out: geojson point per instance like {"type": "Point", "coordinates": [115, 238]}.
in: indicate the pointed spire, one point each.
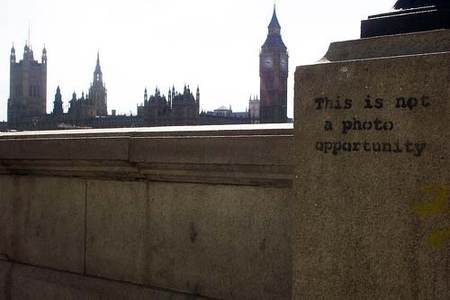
{"type": "Point", "coordinates": [97, 66]}
{"type": "Point", "coordinates": [44, 55]}
{"type": "Point", "coordinates": [197, 95]}
{"type": "Point", "coordinates": [274, 25]}
{"type": "Point", "coordinates": [58, 104]}
{"type": "Point", "coordinates": [98, 77]}
{"type": "Point", "coordinates": [12, 57]}
{"type": "Point", "coordinates": [274, 39]}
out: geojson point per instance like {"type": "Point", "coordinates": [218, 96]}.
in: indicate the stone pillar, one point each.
{"type": "Point", "coordinates": [372, 186]}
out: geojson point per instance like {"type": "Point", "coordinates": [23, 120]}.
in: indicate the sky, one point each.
{"type": "Point", "coordinates": [213, 44]}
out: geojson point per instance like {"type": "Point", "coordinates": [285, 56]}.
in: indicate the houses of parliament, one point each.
{"type": "Point", "coordinates": [27, 103]}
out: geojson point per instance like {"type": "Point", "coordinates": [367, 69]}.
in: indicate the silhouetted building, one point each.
{"type": "Point", "coordinates": [176, 109]}
{"type": "Point", "coordinates": [81, 108]}
{"type": "Point", "coordinates": [97, 91]}
{"type": "Point", "coordinates": [223, 111]}
{"type": "Point", "coordinates": [92, 104]}
{"type": "Point", "coordinates": [58, 104]}
{"type": "Point", "coordinates": [28, 88]}
{"type": "Point", "coordinates": [273, 72]}
{"type": "Point", "coordinates": [254, 107]}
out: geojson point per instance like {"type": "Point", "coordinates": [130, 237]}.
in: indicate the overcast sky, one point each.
{"type": "Point", "coordinates": [159, 43]}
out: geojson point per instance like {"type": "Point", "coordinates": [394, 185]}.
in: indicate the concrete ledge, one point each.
{"type": "Point", "coordinates": [392, 45]}
{"type": "Point", "coordinates": [253, 155]}
{"type": "Point", "coordinates": [218, 130]}
{"type": "Point", "coordinates": [65, 148]}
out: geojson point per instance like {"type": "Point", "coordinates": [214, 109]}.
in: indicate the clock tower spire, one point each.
{"type": "Point", "coordinates": [273, 73]}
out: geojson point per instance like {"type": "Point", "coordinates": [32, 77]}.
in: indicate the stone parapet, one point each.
{"type": "Point", "coordinates": [201, 211]}
{"type": "Point", "coordinates": [372, 178]}
{"type": "Point", "coordinates": [202, 154]}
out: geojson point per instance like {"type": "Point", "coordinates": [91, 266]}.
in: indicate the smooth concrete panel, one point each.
{"type": "Point", "coordinates": [219, 241]}
{"type": "Point", "coordinates": [373, 223]}
{"type": "Point", "coordinates": [6, 208]}
{"type": "Point", "coordinates": [247, 150]}
{"type": "Point", "coordinates": [112, 148]}
{"type": "Point", "coordinates": [27, 282]}
{"type": "Point", "coordinates": [48, 222]}
{"type": "Point", "coordinates": [115, 229]}
{"type": "Point", "coordinates": [5, 280]}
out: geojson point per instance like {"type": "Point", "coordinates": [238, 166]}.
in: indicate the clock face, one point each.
{"type": "Point", "coordinates": [284, 63]}
{"type": "Point", "coordinates": [267, 61]}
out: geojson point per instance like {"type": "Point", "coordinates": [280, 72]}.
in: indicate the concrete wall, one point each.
{"type": "Point", "coordinates": [373, 222]}
{"type": "Point", "coordinates": [202, 211]}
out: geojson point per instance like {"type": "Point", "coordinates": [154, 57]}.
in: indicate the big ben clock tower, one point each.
{"type": "Point", "coordinates": [273, 73]}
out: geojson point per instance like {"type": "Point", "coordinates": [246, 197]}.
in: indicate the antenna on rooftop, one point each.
{"type": "Point", "coordinates": [29, 39]}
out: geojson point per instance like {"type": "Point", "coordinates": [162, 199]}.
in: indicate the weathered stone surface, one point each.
{"type": "Point", "coordinates": [114, 148]}
{"type": "Point", "coordinates": [373, 223]}
{"type": "Point", "coordinates": [48, 222]}
{"type": "Point", "coordinates": [133, 219]}
{"type": "Point", "coordinates": [204, 154]}
{"type": "Point", "coordinates": [385, 46]}
{"type": "Point", "coordinates": [6, 209]}
{"type": "Point", "coordinates": [213, 150]}
{"type": "Point", "coordinates": [5, 280]}
{"type": "Point", "coordinates": [116, 216]}
{"type": "Point", "coordinates": [220, 241]}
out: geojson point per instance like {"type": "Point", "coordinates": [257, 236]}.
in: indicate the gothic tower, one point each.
{"type": "Point", "coordinates": [58, 104]}
{"type": "Point", "coordinates": [273, 73]}
{"type": "Point", "coordinates": [27, 89]}
{"type": "Point", "coordinates": [97, 91]}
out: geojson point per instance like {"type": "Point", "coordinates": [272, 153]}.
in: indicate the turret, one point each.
{"type": "Point", "coordinates": [169, 101]}
{"type": "Point", "coordinates": [197, 95]}
{"type": "Point", "coordinates": [12, 57]}
{"type": "Point", "coordinates": [44, 56]}
{"type": "Point", "coordinates": [145, 96]}
{"type": "Point", "coordinates": [58, 104]}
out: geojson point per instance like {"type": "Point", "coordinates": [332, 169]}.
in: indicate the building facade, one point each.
{"type": "Point", "coordinates": [254, 108]}
{"type": "Point", "coordinates": [273, 73]}
{"type": "Point", "coordinates": [97, 91]}
{"type": "Point", "coordinates": [28, 88]}
{"type": "Point", "coordinates": [177, 109]}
